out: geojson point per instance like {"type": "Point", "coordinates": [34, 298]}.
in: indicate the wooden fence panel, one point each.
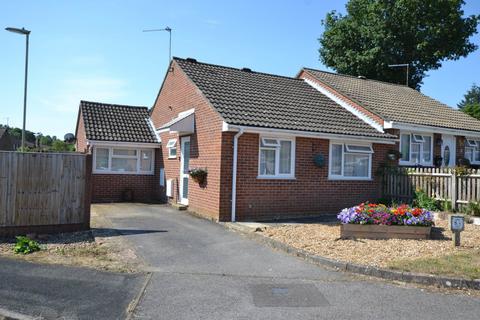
{"type": "Point", "coordinates": [440, 183]}
{"type": "Point", "coordinates": [44, 189]}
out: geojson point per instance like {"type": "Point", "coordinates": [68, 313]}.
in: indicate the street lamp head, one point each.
{"type": "Point", "coordinates": [20, 31]}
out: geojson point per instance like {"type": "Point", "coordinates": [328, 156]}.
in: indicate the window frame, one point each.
{"type": "Point", "coordinates": [413, 140]}
{"type": "Point", "coordinates": [341, 176]}
{"type": "Point", "coordinates": [471, 143]}
{"type": "Point", "coordinates": [474, 148]}
{"type": "Point", "coordinates": [138, 156]}
{"type": "Point", "coordinates": [172, 145]}
{"type": "Point", "coordinates": [277, 148]}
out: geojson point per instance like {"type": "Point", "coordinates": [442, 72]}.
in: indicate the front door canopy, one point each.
{"type": "Point", "coordinates": [183, 124]}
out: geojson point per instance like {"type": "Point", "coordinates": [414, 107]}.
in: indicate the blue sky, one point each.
{"type": "Point", "coordinates": [95, 50]}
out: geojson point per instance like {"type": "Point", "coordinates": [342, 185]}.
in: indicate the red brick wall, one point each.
{"type": "Point", "coordinates": [179, 94]}
{"type": "Point", "coordinates": [310, 193]}
{"type": "Point", "coordinates": [80, 135]}
{"type": "Point", "coordinates": [460, 146]}
{"type": "Point", "coordinates": [145, 188]}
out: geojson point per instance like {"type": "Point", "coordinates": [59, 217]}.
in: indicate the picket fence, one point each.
{"type": "Point", "coordinates": [459, 186]}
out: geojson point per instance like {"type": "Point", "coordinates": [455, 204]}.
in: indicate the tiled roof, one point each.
{"type": "Point", "coordinates": [397, 103]}
{"type": "Point", "coordinates": [243, 97]}
{"type": "Point", "coordinates": [113, 122]}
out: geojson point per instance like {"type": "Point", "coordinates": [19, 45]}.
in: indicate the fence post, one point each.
{"type": "Point", "coordinates": [454, 189]}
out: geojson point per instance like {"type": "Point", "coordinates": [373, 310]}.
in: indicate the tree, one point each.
{"type": "Point", "coordinates": [17, 133]}
{"type": "Point", "coordinates": [376, 33]}
{"type": "Point", "coordinates": [46, 140]}
{"type": "Point", "coordinates": [61, 146]}
{"type": "Point", "coordinates": [471, 102]}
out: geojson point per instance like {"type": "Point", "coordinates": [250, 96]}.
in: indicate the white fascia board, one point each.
{"type": "Point", "coordinates": [306, 134]}
{"type": "Point", "coordinates": [152, 126]}
{"type": "Point", "coordinates": [123, 144]}
{"type": "Point", "coordinates": [430, 129]}
{"type": "Point", "coordinates": [225, 126]}
{"type": "Point", "coordinates": [180, 116]}
{"type": "Point", "coordinates": [362, 116]}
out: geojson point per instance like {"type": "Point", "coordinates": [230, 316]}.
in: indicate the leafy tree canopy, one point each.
{"type": "Point", "coordinates": [46, 140]}
{"type": "Point", "coordinates": [17, 133]}
{"type": "Point", "coordinates": [376, 33]}
{"type": "Point", "coordinates": [470, 103]}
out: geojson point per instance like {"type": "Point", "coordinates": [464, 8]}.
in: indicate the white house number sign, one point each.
{"type": "Point", "coordinates": [457, 225]}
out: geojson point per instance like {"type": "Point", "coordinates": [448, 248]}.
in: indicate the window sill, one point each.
{"type": "Point", "coordinates": [276, 178]}
{"type": "Point", "coordinates": [349, 179]}
{"type": "Point", "coordinates": [123, 173]}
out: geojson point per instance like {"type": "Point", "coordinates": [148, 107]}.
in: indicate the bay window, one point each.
{"type": "Point", "coordinates": [350, 161]}
{"type": "Point", "coordinates": [123, 160]}
{"type": "Point", "coordinates": [276, 158]}
{"type": "Point", "coordinates": [416, 149]}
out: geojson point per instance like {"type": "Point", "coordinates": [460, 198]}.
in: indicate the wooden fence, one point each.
{"type": "Point", "coordinates": [459, 186]}
{"type": "Point", "coordinates": [44, 192]}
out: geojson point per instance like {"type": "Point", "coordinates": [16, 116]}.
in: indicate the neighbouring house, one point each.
{"type": "Point", "coordinates": [272, 146]}
{"type": "Point", "coordinates": [125, 151]}
{"type": "Point", "coordinates": [430, 132]}
{"type": "Point", "coordinates": [8, 142]}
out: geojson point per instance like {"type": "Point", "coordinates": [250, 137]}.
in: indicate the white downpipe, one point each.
{"type": "Point", "coordinates": [234, 173]}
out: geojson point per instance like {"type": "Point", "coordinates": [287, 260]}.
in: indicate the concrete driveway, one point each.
{"type": "Point", "coordinates": [202, 271]}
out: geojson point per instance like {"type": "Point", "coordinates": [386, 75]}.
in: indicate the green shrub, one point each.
{"type": "Point", "coordinates": [472, 208]}
{"type": "Point", "coordinates": [446, 206]}
{"type": "Point", "coordinates": [422, 200]}
{"type": "Point", "coordinates": [26, 245]}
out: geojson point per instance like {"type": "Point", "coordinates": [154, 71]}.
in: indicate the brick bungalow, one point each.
{"type": "Point", "coordinates": [273, 146]}
{"type": "Point", "coordinates": [126, 151]}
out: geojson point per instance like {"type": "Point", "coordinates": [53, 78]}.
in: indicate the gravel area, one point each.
{"type": "Point", "coordinates": [324, 240]}
{"type": "Point", "coordinates": [100, 248]}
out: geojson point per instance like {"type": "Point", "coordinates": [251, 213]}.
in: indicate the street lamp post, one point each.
{"type": "Point", "coordinates": [27, 34]}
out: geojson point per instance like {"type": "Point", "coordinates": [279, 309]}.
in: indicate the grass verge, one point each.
{"type": "Point", "coordinates": [461, 264]}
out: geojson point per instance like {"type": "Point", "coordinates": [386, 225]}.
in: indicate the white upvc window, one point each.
{"type": "Point", "coordinates": [276, 158]}
{"type": "Point", "coordinates": [172, 148]}
{"type": "Point", "coordinates": [350, 161]}
{"type": "Point", "coordinates": [416, 149]}
{"type": "Point", "coordinates": [472, 150]}
{"type": "Point", "coordinates": [121, 160]}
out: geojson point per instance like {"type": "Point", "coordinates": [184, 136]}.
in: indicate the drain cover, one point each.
{"type": "Point", "coordinates": [287, 295]}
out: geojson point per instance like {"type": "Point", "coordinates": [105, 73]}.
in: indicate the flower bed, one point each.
{"type": "Point", "coordinates": [376, 221]}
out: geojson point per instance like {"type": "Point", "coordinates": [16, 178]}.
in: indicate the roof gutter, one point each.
{"type": "Point", "coordinates": [234, 172]}
{"type": "Point", "coordinates": [430, 129]}
{"type": "Point", "coordinates": [122, 144]}
{"type": "Point", "coordinates": [308, 134]}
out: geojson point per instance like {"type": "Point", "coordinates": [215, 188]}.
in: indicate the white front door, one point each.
{"type": "Point", "coordinates": [448, 150]}
{"type": "Point", "coordinates": [184, 166]}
